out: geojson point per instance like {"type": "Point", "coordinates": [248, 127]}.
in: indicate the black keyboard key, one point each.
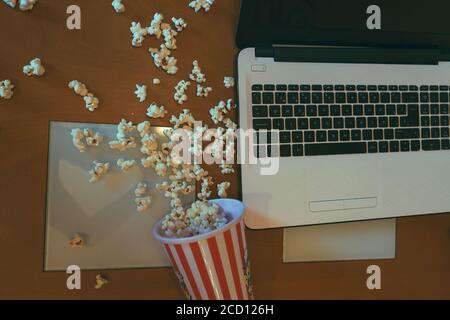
{"type": "Point", "coordinates": [317, 97]}
{"type": "Point", "coordinates": [444, 121]}
{"type": "Point", "coordinates": [372, 122]}
{"type": "Point", "coordinates": [410, 97]}
{"type": "Point", "coordinates": [319, 149]}
{"type": "Point", "coordinates": [394, 146]}
{"type": "Point", "coordinates": [299, 111]}
{"type": "Point", "coordinates": [335, 110]}
{"type": "Point", "coordinates": [269, 87]}
{"type": "Point", "coordinates": [347, 110]}
{"type": "Point", "coordinates": [309, 136]}
{"type": "Point", "coordinates": [425, 109]}
{"type": "Point", "coordinates": [274, 111]}
{"type": "Point", "coordinates": [268, 98]}
{"type": "Point", "coordinates": [281, 87]}
{"type": "Point", "coordinates": [344, 135]}
{"type": "Point", "coordinates": [358, 110]}
{"type": "Point", "coordinates": [257, 87]}
{"type": "Point", "coordinates": [407, 134]}
{"type": "Point", "coordinates": [339, 87]}
{"type": "Point", "coordinates": [382, 87]}
{"type": "Point", "coordinates": [378, 134]}
{"type": "Point", "coordinates": [435, 121]}
{"type": "Point", "coordinates": [385, 97]}
{"type": "Point", "coordinates": [431, 145]}
{"type": "Point", "coordinates": [333, 135]}
{"type": "Point", "coordinates": [443, 88]}
{"type": "Point", "coordinates": [367, 134]}
{"type": "Point", "coordinates": [338, 123]}
{"type": "Point", "coordinates": [328, 87]}
{"type": "Point", "coordinates": [303, 124]}
{"type": "Point", "coordinates": [444, 132]}
{"type": "Point", "coordinates": [380, 109]}
{"type": "Point", "coordinates": [424, 88]}
{"type": "Point", "coordinates": [305, 87]}
{"type": "Point", "coordinates": [324, 111]}
{"type": "Point", "coordinates": [278, 124]}
{"type": "Point", "coordinates": [352, 97]}
{"type": "Point", "coordinates": [327, 123]}
{"type": "Point", "coordinates": [394, 122]}
{"type": "Point", "coordinates": [328, 97]}
{"type": "Point", "coordinates": [363, 97]}
{"type": "Point", "coordinates": [256, 98]}
{"type": "Point", "coordinates": [393, 88]}
{"type": "Point", "coordinates": [262, 124]}
{"type": "Point", "coordinates": [297, 136]}
{"type": "Point", "coordinates": [316, 87]}
{"type": "Point", "coordinates": [396, 97]}
{"type": "Point", "coordinates": [435, 133]}
{"type": "Point", "coordinates": [404, 146]}
{"type": "Point", "coordinates": [425, 121]}
{"type": "Point", "coordinates": [372, 88]}
{"type": "Point", "coordinates": [425, 133]}
{"type": "Point", "coordinates": [314, 123]}
{"type": "Point", "coordinates": [340, 97]}
{"type": "Point", "coordinates": [290, 124]}
{"type": "Point", "coordinates": [285, 150]}
{"type": "Point", "coordinates": [297, 150]}
{"type": "Point", "coordinates": [403, 88]}
{"type": "Point", "coordinates": [388, 134]}
{"type": "Point", "coordinates": [383, 122]}
{"type": "Point", "coordinates": [293, 97]}
{"type": "Point", "coordinates": [311, 111]}
{"type": "Point", "coordinates": [445, 144]}
{"type": "Point", "coordinates": [374, 97]}
{"type": "Point", "coordinates": [383, 146]}
{"type": "Point", "coordinates": [350, 87]}
{"type": "Point", "coordinates": [293, 87]}
{"type": "Point", "coordinates": [361, 87]}
{"type": "Point", "coordinates": [361, 122]}
{"type": "Point", "coordinates": [372, 147]}
{"type": "Point", "coordinates": [434, 109]}
{"type": "Point", "coordinates": [280, 97]}
{"type": "Point", "coordinates": [415, 145]}
{"type": "Point", "coordinates": [287, 111]}
{"type": "Point", "coordinates": [285, 137]}
{"type": "Point", "coordinates": [260, 112]}
{"type": "Point", "coordinates": [305, 97]}
{"type": "Point", "coordinates": [356, 135]}
{"type": "Point", "coordinates": [321, 136]}
{"type": "Point", "coordinates": [424, 97]}
{"type": "Point", "coordinates": [369, 109]}
{"type": "Point", "coordinates": [350, 123]}
{"type": "Point", "coordinates": [391, 110]}
{"type": "Point", "coordinates": [434, 97]}
{"type": "Point", "coordinates": [444, 109]}
{"type": "Point", "coordinates": [413, 88]}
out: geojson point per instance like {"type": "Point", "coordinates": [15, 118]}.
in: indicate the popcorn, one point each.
{"type": "Point", "coordinates": [180, 96]}
{"type": "Point", "coordinates": [26, 5]}
{"type": "Point", "coordinates": [222, 189]}
{"type": "Point", "coordinates": [11, 3]}
{"type": "Point", "coordinates": [144, 128]}
{"type": "Point", "coordinates": [156, 81]}
{"type": "Point", "coordinates": [141, 189]}
{"type": "Point", "coordinates": [76, 242]}
{"type": "Point", "coordinates": [123, 144]}
{"type": "Point", "coordinates": [185, 119]}
{"type": "Point", "coordinates": [91, 102]}
{"type": "Point", "coordinates": [169, 38]}
{"type": "Point", "coordinates": [155, 25]}
{"type": "Point", "coordinates": [78, 87]}
{"type": "Point", "coordinates": [197, 5]}
{"type": "Point", "coordinates": [218, 112]}
{"type": "Point", "coordinates": [100, 281]}
{"type": "Point", "coordinates": [35, 67]}
{"type": "Point", "coordinates": [124, 128]}
{"type": "Point", "coordinates": [196, 73]}
{"type": "Point", "coordinates": [141, 92]}
{"type": "Point", "coordinates": [205, 192]}
{"type": "Point", "coordinates": [203, 91]}
{"type": "Point", "coordinates": [179, 24]}
{"type": "Point", "coordinates": [99, 170]}
{"type": "Point", "coordinates": [154, 111]}
{"type": "Point", "coordinates": [139, 34]}
{"type": "Point", "coordinates": [149, 144]}
{"type": "Point", "coordinates": [163, 60]}
{"type": "Point", "coordinates": [92, 140]}
{"type": "Point", "coordinates": [143, 203]}
{"type": "Point", "coordinates": [77, 139]}
{"type": "Point", "coordinates": [125, 165]}
{"type": "Point", "coordinates": [226, 168]}
{"type": "Point", "coordinates": [228, 82]}
{"type": "Point", "coordinates": [6, 89]}
{"type": "Point", "coordinates": [118, 6]}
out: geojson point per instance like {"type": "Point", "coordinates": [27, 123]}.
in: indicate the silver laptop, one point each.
{"type": "Point", "coordinates": [362, 125]}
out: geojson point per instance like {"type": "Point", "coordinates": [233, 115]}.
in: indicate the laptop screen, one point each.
{"type": "Point", "coordinates": [412, 23]}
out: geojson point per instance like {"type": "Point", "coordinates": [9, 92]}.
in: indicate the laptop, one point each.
{"type": "Point", "coordinates": [358, 94]}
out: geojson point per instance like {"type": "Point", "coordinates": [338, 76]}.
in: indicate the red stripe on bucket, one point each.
{"type": "Point", "coordinates": [199, 260]}
{"type": "Point", "coordinates": [233, 264]}
{"type": "Point", "coordinates": [241, 242]}
{"type": "Point", "coordinates": [212, 244]}
{"type": "Point", "coordinates": [188, 271]}
{"type": "Point", "coordinates": [172, 259]}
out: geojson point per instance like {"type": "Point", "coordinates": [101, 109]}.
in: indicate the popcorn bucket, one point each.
{"type": "Point", "coordinates": [214, 265]}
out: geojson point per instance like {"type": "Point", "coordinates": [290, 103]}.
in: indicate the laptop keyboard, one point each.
{"type": "Point", "coordinates": [318, 120]}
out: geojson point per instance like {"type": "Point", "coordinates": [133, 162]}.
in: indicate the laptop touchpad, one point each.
{"type": "Point", "coordinates": [342, 188]}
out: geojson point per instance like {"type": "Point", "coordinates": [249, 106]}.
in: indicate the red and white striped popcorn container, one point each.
{"type": "Point", "coordinates": [215, 265]}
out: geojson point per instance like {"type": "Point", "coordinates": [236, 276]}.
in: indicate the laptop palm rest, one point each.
{"type": "Point", "coordinates": [344, 204]}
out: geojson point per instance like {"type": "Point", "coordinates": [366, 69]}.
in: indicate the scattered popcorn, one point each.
{"type": "Point", "coordinates": [155, 25]}
{"type": "Point", "coordinates": [141, 92]}
{"type": "Point", "coordinates": [139, 34]}
{"type": "Point", "coordinates": [143, 203]}
{"type": "Point", "coordinates": [77, 139]}
{"type": "Point", "coordinates": [99, 170]}
{"type": "Point", "coordinates": [76, 242]}
{"type": "Point", "coordinates": [218, 112]}
{"type": "Point", "coordinates": [92, 140]}
{"type": "Point", "coordinates": [226, 168]}
{"type": "Point", "coordinates": [162, 59]}
{"type": "Point", "coordinates": [78, 87]}
{"type": "Point", "coordinates": [144, 128]}
{"type": "Point", "coordinates": [197, 5]}
{"type": "Point", "coordinates": [141, 189]}
{"type": "Point", "coordinates": [228, 82]}
{"type": "Point", "coordinates": [91, 102]}
{"type": "Point", "coordinates": [26, 5]}
{"type": "Point", "coordinates": [100, 281]}
{"type": "Point", "coordinates": [185, 119]}
{"type": "Point", "coordinates": [154, 111]}
{"type": "Point", "coordinates": [179, 24]}
{"type": "Point", "coordinates": [149, 144]}
{"type": "Point", "coordinates": [123, 144]}
{"type": "Point", "coordinates": [203, 91]}
{"type": "Point", "coordinates": [118, 6]}
{"type": "Point", "coordinates": [11, 3]}
{"type": "Point", "coordinates": [205, 192]}
{"type": "Point", "coordinates": [123, 128]}
{"type": "Point", "coordinates": [6, 89]}
{"type": "Point", "coordinates": [156, 81]}
{"type": "Point", "coordinates": [35, 67]}
{"type": "Point", "coordinates": [126, 165]}
{"type": "Point", "coordinates": [196, 73]}
{"type": "Point", "coordinates": [222, 189]}
{"type": "Point", "coordinates": [180, 96]}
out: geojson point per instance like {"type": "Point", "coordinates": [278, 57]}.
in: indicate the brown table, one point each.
{"type": "Point", "coordinates": [100, 54]}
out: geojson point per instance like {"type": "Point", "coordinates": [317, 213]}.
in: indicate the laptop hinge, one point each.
{"type": "Point", "coordinates": [351, 55]}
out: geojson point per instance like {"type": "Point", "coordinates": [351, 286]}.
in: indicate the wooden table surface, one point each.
{"type": "Point", "coordinates": [101, 55]}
